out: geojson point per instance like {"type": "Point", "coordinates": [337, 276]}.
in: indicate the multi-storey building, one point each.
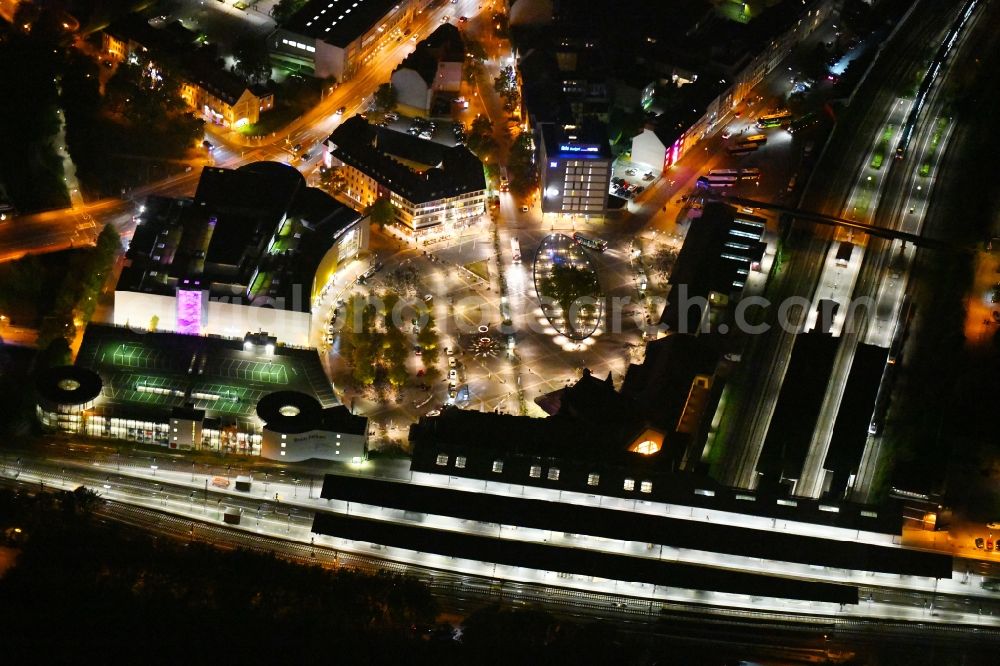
{"type": "Point", "coordinates": [431, 186]}
{"type": "Point", "coordinates": [575, 167]}
{"type": "Point", "coordinates": [333, 38]}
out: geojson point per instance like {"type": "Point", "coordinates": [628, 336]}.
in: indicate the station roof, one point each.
{"type": "Point", "coordinates": [577, 561]}
{"type": "Point", "coordinates": [799, 405]}
{"type": "Point", "coordinates": [615, 524]}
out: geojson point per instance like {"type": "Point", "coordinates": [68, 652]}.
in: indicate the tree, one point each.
{"type": "Point", "coordinates": [56, 353]}
{"type": "Point", "coordinates": [381, 212]}
{"type": "Point", "coordinates": [521, 166]}
{"type": "Point", "coordinates": [475, 50]}
{"type": "Point", "coordinates": [428, 339]}
{"type": "Point", "coordinates": [386, 97]}
{"type": "Point", "coordinates": [253, 64]}
{"type": "Point", "coordinates": [285, 9]}
{"type": "Point", "coordinates": [480, 139]}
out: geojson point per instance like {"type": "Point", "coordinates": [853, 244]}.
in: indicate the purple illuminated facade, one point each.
{"type": "Point", "coordinates": [190, 308]}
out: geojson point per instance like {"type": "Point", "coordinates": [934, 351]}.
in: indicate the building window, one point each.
{"type": "Point", "coordinates": [593, 479]}
{"type": "Point", "coordinates": [553, 474]}
{"type": "Point", "coordinates": [629, 484]}
{"type": "Point", "coordinates": [535, 472]}
{"type": "Point", "coordinates": [498, 466]}
{"type": "Point", "coordinates": [646, 487]}
{"type": "Point", "coordinates": [460, 462]}
{"type": "Point", "coordinates": [442, 459]}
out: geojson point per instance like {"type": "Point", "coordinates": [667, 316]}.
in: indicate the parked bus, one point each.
{"type": "Point", "coordinates": [724, 172]}
{"type": "Point", "coordinates": [591, 243]}
{"type": "Point", "coordinates": [755, 139]}
{"type": "Point", "coordinates": [515, 250]}
{"type": "Point", "coordinates": [717, 181]}
{"type": "Point", "coordinates": [774, 120]}
{"type": "Point", "coordinates": [806, 121]}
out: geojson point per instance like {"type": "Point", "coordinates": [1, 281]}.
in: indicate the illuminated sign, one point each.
{"type": "Point", "coordinates": [578, 148]}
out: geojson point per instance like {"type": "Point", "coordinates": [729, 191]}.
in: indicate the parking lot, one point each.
{"type": "Point", "coordinates": [221, 21]}
{"type": "Point", "coordinates": [445, 132]}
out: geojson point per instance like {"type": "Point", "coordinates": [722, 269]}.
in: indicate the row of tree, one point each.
{"type": "Point", "coordinates": [376, 347]}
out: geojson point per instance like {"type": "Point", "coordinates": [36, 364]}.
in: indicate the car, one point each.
{"type": "Point", "coordinates": [305, 156]}
{"type": "Point", "coordinates": [444, 19]}
{"type": "Point", "coordinates": [392, 115]}
{"type": "Point", "coordinates": [727, 134]}
{"type": "Point", "coordinates": [451, 361]}
{"type": "Point", "coordinates": [629, 172]}
{"type": "Point", "coordinates": [342, 110]}
{"type": "Point", "coordinates": [448, 351]}
{"type": "Point", "coordinates": [434, 412]}
{"type": "Point", "coordinates": [993, 526]}
{"type": "Point", "coordinates": [453, 374]}
{"type": "Point", "coordinates": [463, 19]}
{"type": "Point", "coordinates": [420, 372]}
{"type": "Point", "coordinates": [207, 145]}
{"type": "Point", "coordinates": [980, 543]}
{"type": "Point", "coordinates": [639, 189]}
{"type": "Point", "coordinates": [418, 351]}
{"type": "Point", "coordinates": [989, 544]}
{"type": "Point", "coordinates": [297, 147]}
{"type": "Point", "coordinates": [524, 209]}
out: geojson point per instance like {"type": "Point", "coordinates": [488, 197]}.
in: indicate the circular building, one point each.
{"type": "Point", "coordinates": [64, 393]}
{"type": "Point", "coordinates": [297, 427]}
{"type": "Point", "coordinates": [289, 412]}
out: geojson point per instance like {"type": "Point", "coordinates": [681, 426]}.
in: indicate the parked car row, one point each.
{"type": "Point", "coordinates": [621, 188]}
{"type": "Point", "coordinates": [422, 127]}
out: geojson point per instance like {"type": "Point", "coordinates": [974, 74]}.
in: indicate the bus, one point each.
{"type": "Point", "coordinates": [591, 243]}
{"type": "Point", "coordinates": [724, 172]}
{"type": "Point", "coordinates": [504, 183]}
{"type": "Point", "coordinates": [515, 250]}
{"type": "Point", "coordinates": [774, 120]}
{"type": "Point", "coordinates": [751, 173]}
{"type": "Point", "coordinates": [755, 139]}
{"type": "Point", "coordinates": [717, 181]}
{"type": "Point", "coordinates": [806, 121]}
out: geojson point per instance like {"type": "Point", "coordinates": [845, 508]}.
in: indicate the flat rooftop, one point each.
{"type": "Point", "coordinates": [259, 220]}
{"type": "Point", "coordinates": [339, 22]}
